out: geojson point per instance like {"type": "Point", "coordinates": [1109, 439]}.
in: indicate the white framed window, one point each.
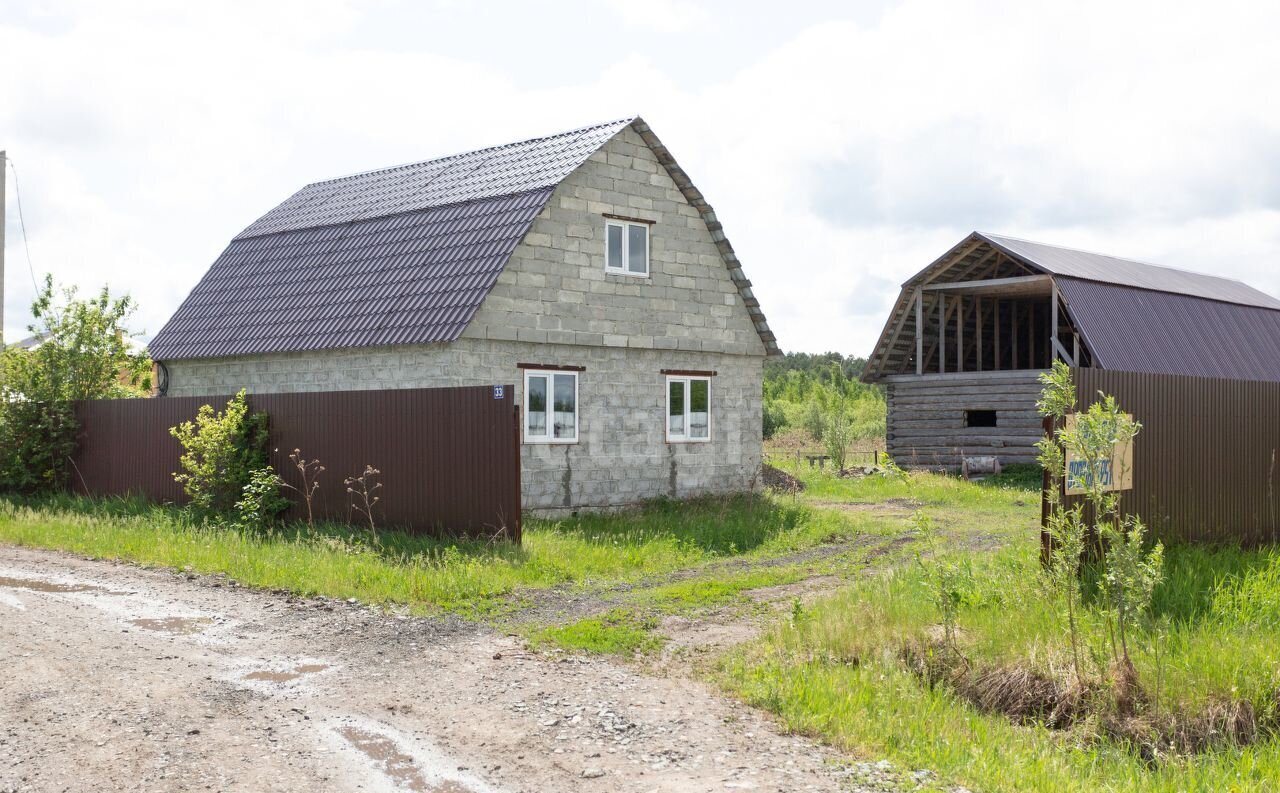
{"type": "Point", "coordinates": [688, 409]}
{"type": "Point", "coordinates": [550, 406]}
{"type": "Point", "coordinates": [626, 248]}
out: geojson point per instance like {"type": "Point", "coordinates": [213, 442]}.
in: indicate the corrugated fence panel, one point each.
{"type": "Point", "coordinates": [449, 457]}
{"type": "Point", "coordinates": [1206, 465]}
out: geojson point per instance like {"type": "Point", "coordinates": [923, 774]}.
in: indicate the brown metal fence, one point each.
{"type": "Point", "coordinates": [1206, 465]}
{"type": "Point", "coordinates": [449, 457]}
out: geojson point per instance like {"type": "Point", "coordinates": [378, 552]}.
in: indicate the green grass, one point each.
{"type": "Point", "coordinates": [832, 670]}
{"type": "Point", "coordinates": [1027, 476]}
{"type": "Point", "coordinates": [430, 575]}
{"type": "Point", "coordinates": [617, 632]}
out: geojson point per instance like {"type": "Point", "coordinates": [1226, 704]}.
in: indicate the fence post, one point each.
{"type": "Point", "coordinates": [1046, 540]}
{"type": "Point", "coordinates": [519, 436]}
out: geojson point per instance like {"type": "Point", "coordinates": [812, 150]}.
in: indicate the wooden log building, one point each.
{"type": "Point", "coordinates": [969, 335]}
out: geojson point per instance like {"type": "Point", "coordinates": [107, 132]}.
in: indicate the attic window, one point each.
{"type": "Point", "coordinates": [980, 418]}
{"type": "Point", "coordinates": [626, 248]}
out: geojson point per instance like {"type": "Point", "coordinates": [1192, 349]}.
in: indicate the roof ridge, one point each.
{"type": "Point", "coordinates": [458, 154]}
{"type": "Point", "coordinates": [988, 235]}
{"type": "Point", "coordinates": [402, 213]}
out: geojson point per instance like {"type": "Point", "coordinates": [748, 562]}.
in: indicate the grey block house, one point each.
{"type": "Point", "coordinates": [585, 268]}
{"type": "Point", "coordinates": [962, 350]}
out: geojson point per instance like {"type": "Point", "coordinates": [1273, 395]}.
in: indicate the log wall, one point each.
{"type": "Point", "coordinates": [926, 420]}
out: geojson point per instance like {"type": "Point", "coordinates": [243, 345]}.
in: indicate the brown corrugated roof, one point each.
{"type": "Point", "coordinates": [1057, 260]}
{"type": "Point", "coordinates": [1140, 330]}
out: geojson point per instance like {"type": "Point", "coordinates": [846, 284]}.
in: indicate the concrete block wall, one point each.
{"type": "Point", "coordinates": [621, 457]}
{"type": "Point", "coordinates": [555, 288]}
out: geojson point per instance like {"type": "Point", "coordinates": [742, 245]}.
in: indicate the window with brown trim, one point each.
{"type": "Point", "coordinates": [550, 406]}
{"type": "Point", "coordinates": [626, 248]}
{"type": "Point", "coordinates": [688, 409]}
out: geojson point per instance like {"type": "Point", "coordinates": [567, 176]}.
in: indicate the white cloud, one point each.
{"type": "Point", "coordinates": [664, 16]}
{"type": "Point", "coordinates": [845, 154]}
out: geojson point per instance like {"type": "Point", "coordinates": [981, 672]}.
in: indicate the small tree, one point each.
{"type": "Point", "coordinates": [1065, 526]}
{"type": "Point", "coordinates": [221, 452]}
{"type": "Point", "coordinates": [82, 351]}
{"type": "Point", "coordinates": [837, 436]}
{"type": "Point", "coordinates": [1129, 572]}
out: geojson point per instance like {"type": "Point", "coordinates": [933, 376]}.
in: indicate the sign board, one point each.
{"type": "Point", "coordinates": [1116, 473]}
{"type": "Point", "coordinates": [499, 392]}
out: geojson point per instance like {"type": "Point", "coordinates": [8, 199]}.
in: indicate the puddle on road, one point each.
{"type": "Point", "coordinates": [274, 676]}
{"type": "Point", "coordinates": [397, 766]}
{"type": "Point", "coordinates": [181, 626]}
{"type": "Point", "coordinates": [36, 585]}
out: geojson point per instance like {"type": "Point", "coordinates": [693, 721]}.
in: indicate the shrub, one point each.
{"type": "Point", "coordinates": [260, 501]}
{"type": "Point", "coordinates": [37, 442]}
{"type": "Point", "coordinates": [814, 420]}
{"type": "Point", "coordinates": [774, 418]}
{"type": "Point", "coordinates": [83, 354]}
{"type": "Point", "coordinates": [221, 453]}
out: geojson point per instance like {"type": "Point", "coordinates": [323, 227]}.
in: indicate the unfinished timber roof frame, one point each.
{"type": "Point", "coordinates": [1084, 308]}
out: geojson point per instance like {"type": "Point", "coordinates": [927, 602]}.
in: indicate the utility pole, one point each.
{"type": "Point", "coordinates": [3, 171]}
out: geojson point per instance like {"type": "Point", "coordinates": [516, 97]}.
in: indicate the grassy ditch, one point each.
{"type": "Point", "coordinates": [431, 575]}
{"type": "Point", "coordinates": [866, 669]}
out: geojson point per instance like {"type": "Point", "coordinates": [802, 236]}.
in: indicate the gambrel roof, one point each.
{"type": "Point", "coordinates": [1126, 272]}
{"type": "Point", "coordinates": [1131, 316]}
{"type": "Point", "coordinates": [402, 255]}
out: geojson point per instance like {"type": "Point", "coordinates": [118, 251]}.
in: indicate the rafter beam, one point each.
{"type": "Point", "coordinates": [1014, 284]}
{"type": "Point", "coordinates": [959, 257]}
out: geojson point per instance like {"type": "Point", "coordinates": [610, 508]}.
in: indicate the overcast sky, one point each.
{"type": "Point", "coordinates": [844, 145]}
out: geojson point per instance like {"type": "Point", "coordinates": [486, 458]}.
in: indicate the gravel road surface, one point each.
{"type": "Point", "coordinates": [121, 678]}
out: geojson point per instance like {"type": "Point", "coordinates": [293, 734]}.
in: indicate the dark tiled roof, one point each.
{"type": "Point", "coordinates": [1140, 330]}
{"type": "Point", "coordinates": [402, 255]}
{"type": "Point", "coordinates": [413, 278]}
{"type": "Point", "coordinates": [486, 173]}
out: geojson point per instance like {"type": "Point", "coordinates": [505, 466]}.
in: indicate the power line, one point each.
{"type": "Point", "coordinates": [22, 223]}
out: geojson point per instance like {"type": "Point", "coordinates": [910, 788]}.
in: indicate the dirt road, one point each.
{"type": "Point", "coordinates": [117, 678]}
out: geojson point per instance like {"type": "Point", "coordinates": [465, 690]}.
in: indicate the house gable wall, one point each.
{"type": "Point", "coordinates": [555, 289]}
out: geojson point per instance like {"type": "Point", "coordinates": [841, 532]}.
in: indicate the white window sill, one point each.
{"type": "Point", "coordinates": [627, 273]}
